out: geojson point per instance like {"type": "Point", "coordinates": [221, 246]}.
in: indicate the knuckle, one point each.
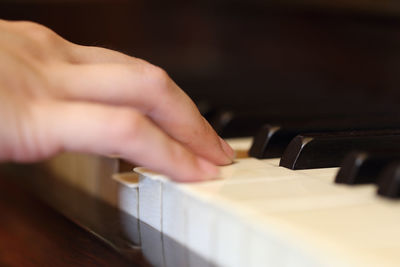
{"type": "Point", "coordinates": [158, 78]}
{"type": "Point", "coordinates": [40, 42]}
{"type": "Point", "coordinates": [38, 32]}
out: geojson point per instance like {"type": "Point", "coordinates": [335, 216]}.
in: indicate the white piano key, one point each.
{"type": "Point", "coordinates": [152, 245]}
{"type": "Point", "coordinates": [175, 253]}
{"type": "Point", "coordinates": [128, 202]}
{"type": "Point", "coordinates": [150, 201]}
{"type": "Point", "coordinates": [309, 202]}
{"type": "Point", "coordinates": [267, 248]}
{"type": "Point", "coordinates": [201, 220]}
{"type": "Point", "coordinates": [243, 143]}
{"type": "Point", "coordinates": [264, 250]}
{"type": "Point", "coordinates": [328, 174]}
{"type": "Point", "coordinates": [174, 225]}
{"type": "Point", "coordinates": [174, 211]}
{"type": "Point", "coordinates": [361, 235]}
{"type": "Point", "coordinates": [130, 228]}
{"type": "Point", "coordinates": [232, 237]}
{"type": "Point", "coordinates": [265, 189]}
{"type": "Point", "coordinates": [272, 162]}
{"type": "Point", "coordinates": [253, 169]}
{"type": "Point", "coordinates": [128, 192]}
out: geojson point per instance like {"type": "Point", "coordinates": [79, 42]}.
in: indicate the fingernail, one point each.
{"type": "Point", "coordinates": [210, 170]}
{"type": "Point", "coordinates": [227, 149]}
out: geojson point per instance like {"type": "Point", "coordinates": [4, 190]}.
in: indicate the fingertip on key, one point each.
{"type": "Point", "coordinates": [209, 170]}
{"type": "Point", "coordinates": [229, 152]}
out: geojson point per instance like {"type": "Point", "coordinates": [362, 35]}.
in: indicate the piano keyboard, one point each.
{"type": "Point", "coordinates": [260, 214]}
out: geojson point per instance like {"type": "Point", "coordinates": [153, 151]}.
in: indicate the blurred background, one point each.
{"type": "Point", "coordinates": [257, 60]}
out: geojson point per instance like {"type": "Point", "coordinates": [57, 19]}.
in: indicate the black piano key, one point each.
{"type": "Point", "coordinates": [240, 122]}
{"type": "Point", "coordinates": [271, 140]}
{"type": "Point", "coordinates": [262, 143]}
{"type": "Point", "coordinates": [206, 109]}
{"type": "Point", "coordinates": [389, 181]}
{"type": "Point", "coordinates": [308, 151]}
{"type": "Point", "coordinates": [364, 167]}
{"type": "Point", "coordinates": [229, 123]}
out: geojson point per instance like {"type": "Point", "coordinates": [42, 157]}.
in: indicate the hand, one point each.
{"type": "Point", "coordinates": [58, 96]}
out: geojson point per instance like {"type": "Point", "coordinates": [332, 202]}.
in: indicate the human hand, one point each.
{"type": "Point", "coordinates": [58, 96]}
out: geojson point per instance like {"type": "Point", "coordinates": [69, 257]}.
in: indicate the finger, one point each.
{"type": "Point", "coordinates": [152, 92]}
{"type": "Point", "coordinates": [105, 130]}
{"type": "Point", "coordinates": [95, 55]}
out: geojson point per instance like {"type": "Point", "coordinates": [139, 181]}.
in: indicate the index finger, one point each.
{"type": "Point", "coordinates": [150, 90]}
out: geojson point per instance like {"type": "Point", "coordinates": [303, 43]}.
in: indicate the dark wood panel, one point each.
{"type": "Point", "coordinates": [264, 56]}
{"type": "Point", "coordinates": [259, 60]}
{"type": "Point", "coordinates": [33, 234]}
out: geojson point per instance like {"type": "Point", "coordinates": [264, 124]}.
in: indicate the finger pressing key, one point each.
{"type": "Point", "coordinates": [106, 130]}
{"type": "Point", "coordinates": [148, 89]}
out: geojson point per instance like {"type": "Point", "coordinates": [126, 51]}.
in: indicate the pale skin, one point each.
{"type": "Point", "coordinates": [57, 96]}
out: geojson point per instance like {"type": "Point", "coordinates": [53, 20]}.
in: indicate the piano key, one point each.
{"type": "Point", "coordinates": [128, 202]}
{"type": "Point", "coordinates": [267, 250]}
{"type": "Point", "coordinates": [354, 233]}
{"type": "Point", "coordinates": [389, 181]}
{"type": "Point", "coordinates": [266, 145]}
{"type": "Point", "coordinates": [200, 220]}
{"type": "Point", "coordinates": [173, 212]}
{"type": "Point", "coordinates": [230, 227]}
{"type": "Point", "coordinates": [152, 245]}
{"type": "Point", "coordinates": [271, 140]}
{"type": "Point", "coordinates": [364, 167]}
{"type": "Point", "coordinates": [228, 123]}
{"type": "Point", "coordinates": [325, 150]}
{"type": "Point", "coordinates": [239, 123]}
{"type": "Point", "coordinates": [241, 146]}
{"type": "Point", "coordinates": [150, 199]}
{"type": "Point", "coordinates": [175, 254]}
{"type": "Point", "coordinates": [173, 225]}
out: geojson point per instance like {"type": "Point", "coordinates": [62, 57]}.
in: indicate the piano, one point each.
{"type": "Point", "coordinates": [307, 94]}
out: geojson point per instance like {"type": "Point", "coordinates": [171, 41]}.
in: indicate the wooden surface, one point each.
{"type": "Point", "coordinates": [33, 234]}
{"type": "Point", "coordinates": [272, 58]}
